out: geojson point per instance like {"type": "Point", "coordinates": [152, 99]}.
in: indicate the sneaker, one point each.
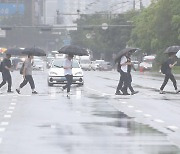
{"type": "Point", "coordinates": [134, 92]}
{"type": "Point", "coordinates": [18, 91]}
{"type": "Point", "coordinates": [9, 91]}
{"type": "Point", "coordinates": [118, 93]}
{"type": "Point", "coordinates": [161, 92]}
{"type": "Point", "coordinates": [34, 92]}
{"type": "Point", "coordinates": [68, 94]}
{"type": "Point", "coordinates": [177, 91]}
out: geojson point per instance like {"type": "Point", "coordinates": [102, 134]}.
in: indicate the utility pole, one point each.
{"type": "Point", "coordinates": [141, 5]}
{"type": "Point", "coordinates": [134, 4]}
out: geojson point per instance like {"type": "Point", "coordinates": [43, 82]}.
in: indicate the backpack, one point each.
{"type": "Point", "coordinates": [118, 67]}
{"type": "Point", "coordinates": [164, 68]}
{"type": "Point", "coordinates": [1, 67]}
{"type": "Point", "coordinates": [21, 69]}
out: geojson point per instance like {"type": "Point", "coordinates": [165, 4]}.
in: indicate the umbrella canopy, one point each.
{"type": "Point", "coordinates": [124, 51]}
{"type": "Point", "coordinates": [14, 51]}
{"type": "Point", "coordinates": [172, 49]}
{"type": "Point", "coordinates": [34, 51]}
{"type": "Point", "coordinates": [178, 54]}
{"type": "Point", "coordinates": [73, 50]}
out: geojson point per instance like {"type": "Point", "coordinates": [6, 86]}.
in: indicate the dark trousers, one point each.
{"type": "Point", "coordinates": [120, 84]}
{"type": "Point", "coordinates": [123, 81]}
{"type": "Point", "coordinates": [6, 78]}
{"type": "Point", "coordinates": [129, 82]}
{"type": "Point", "coordinates": [69, 79]}
{"type": "Point", "coordinates": [167, 77]}
{"type": "Point", "coordinates": [28, 78]}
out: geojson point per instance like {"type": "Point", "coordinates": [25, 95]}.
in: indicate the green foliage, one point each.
{"type": "Point", "coordinates": [107, 41]}
{"type": "Point", "coordinates": [155, 28]}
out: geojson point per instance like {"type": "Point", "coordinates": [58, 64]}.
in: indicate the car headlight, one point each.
{"type": "Point", "coordinates": [53, 73]}
{"type": "Point", "coordinates": [78, 73]}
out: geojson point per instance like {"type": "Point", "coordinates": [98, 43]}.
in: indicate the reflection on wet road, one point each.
{"type": "Point", "coordinates": [96, 127]}
{"type": "Point", "coordinates": [85, 123]}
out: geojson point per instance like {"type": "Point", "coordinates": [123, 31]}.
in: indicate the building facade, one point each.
{"type": "Point", "coordinates": [19, 12]}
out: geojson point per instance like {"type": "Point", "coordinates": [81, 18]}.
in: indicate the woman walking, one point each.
{"type": "Point", "coordinates": [27, 75]}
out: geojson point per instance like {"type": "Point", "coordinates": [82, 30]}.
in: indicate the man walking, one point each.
{"type": "Point", "coordinates": [124, 67]}
{"type": "Point", "coordinates": [27, 75]}
{"type": "Point", "coordinates": [168, 74]}
{"type": "Point", "coordinates": [6, 76]}
{"type": "Point", "coordinates": [68, 73]}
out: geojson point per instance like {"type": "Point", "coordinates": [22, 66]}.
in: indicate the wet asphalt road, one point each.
{"type": "Point", "coordinates": [92, 121]}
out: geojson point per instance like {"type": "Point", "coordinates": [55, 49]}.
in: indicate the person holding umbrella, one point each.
{"type": "Point", "coordinates": [6, 68]}
{"type": "Point", "coordinates": [68, 73]}
{"type": "Point", "coordinates": [124, 68]}
{"type": "Point", "coordinates": [169, 64]}
{"type": "Point", "coordinates": [129, 77]}
{"type": "Point", "coordinates": [27, 75]}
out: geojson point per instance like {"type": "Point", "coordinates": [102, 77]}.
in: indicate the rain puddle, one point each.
{"type": "Point", "coordinates": [95, 127]}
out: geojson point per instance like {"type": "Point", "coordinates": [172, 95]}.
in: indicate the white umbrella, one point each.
{"type": "Point", "coordinates": [178, 54]}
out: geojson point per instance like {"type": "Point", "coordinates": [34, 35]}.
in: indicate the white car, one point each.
{"type": "Point", "coordinates": [56, 73]}
{"type": "Point", "coordinates": [146, 65]}
{"type": "Point", "coordinates": [38, 64]}
{"type": "Point", "coordinates": [94, 65]}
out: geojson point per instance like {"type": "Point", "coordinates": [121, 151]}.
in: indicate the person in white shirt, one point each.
{"type": "Point", "coordinates": [124, 68]}
{"type": "Point", "coordinates": [68, 73]}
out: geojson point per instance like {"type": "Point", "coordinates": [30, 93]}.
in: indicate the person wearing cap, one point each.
{"type": "Point", "coordinates": [27, 75]}
{"type": "Point", "coordinates": [68, 73]}
{"type": "Point", "coordinates": [6, 75]}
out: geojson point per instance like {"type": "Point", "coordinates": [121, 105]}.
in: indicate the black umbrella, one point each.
{"type": "Point", "coordinates": [14, 51]}
{"type": "Point", "coordinates": [73, 50]}
{"type": "Point", "coordinates": [34, 51]}
{"type": "Point", "coordinates": [172, 49]}
{"type": "Point", "coordinates": [124, 51]}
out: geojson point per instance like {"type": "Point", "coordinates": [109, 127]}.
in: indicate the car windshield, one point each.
{"type": "Point", "coordinates": [38, 62]}
{"type": "Point", "coordinates": [85, 61]}
{"type": "Point", "coordinates": [99, 61]}
{"type": "Point", "coordinates": [58, 63]}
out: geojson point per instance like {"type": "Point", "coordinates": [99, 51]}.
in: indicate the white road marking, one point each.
{"type": "Point", "coordinates": [13, 103]}
{"type": "Point", "coordinates": [7, 116]}
{"type": "Point", "coordinates": [11, 108]}
{"type": "Point", "coordinates": [130, 106]}
{"type": "Point", "coordinates": [2, 95]}
{"type": "Point", "coordinates": [159, 120]}
{"type": "Point", "coordinates": [14, 99]}
{"type": "Point", "coordinates": [53, 126]}
{"type": "Point", "coordinates": [0, 140]}
{"type": "Point", "coordinates": [24, 95]}
{"type": "Point", "coordinates": [9, 111]}
{"type": "Point", "coordinates": [138, 111]}
{"type": "Point", "coordinates": [4, 123]}
{"type": "Point", "coordinates": [123, 102]}
{"type": "Point", "coordinates": [172, 127]}
{"type": "Point", "coordinates": [2, 129]}
{"type": "Point", "coordinates": [94, 90]}
{"type": "Point", "coordinates": [147, 115]}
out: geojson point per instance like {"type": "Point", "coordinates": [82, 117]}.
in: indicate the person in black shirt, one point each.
{"type": "Point", "coordinates": [169, 75]}
{"type": "Point", "coordinates": [6, 76]}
